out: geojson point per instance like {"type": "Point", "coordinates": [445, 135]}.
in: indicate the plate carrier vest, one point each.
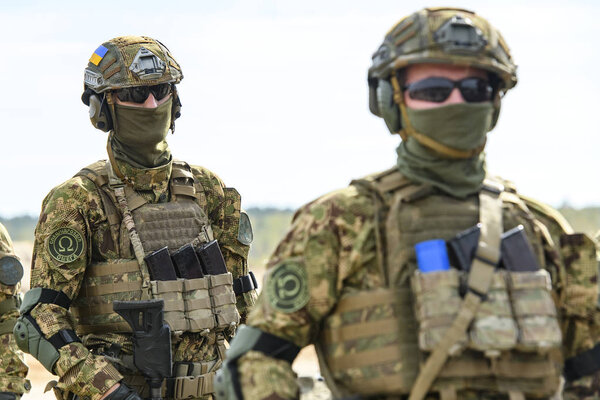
{"type": "Point", "coordinates": [417, 335]}
{"type": "Point", "coordinates": [206, 305]}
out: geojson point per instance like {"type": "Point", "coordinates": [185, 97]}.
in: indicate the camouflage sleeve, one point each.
{"type": "Point", "coordinates": [576, 284]}
{"type": "Point", "coordinates": [62, 250]}
{"type": "Point", "coordinates": [224, 208]}
{"type": "Point", "coordinates": [12, 368]}
{"type": "Point", "coordinates": [329, 238]}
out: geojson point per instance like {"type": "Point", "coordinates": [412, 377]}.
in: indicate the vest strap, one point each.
{"type": "Point", "coordinates": [479, 282]}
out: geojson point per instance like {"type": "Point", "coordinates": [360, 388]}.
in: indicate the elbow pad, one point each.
{"type": "Point", "coordinates": [227, 382]}
{"type": "Point", "coordinates": [29, 336]}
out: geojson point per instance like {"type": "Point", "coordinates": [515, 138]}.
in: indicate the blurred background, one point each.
{"type": "Point", "coordinates": [275, 101]}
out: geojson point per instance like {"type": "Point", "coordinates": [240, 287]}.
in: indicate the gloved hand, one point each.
{"type": "Point", "coordinates": [9, 396]}
{"type": "Point", "coordinates": [123, 392]}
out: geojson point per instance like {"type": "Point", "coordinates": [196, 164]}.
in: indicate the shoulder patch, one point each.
{"type": "Point", "coordinates": [245, 234]}
{"type": "Point", "coordinates": [65, 245]}
{"type": "Point", "coordinates": [287, 287]}
{"type": "Point", "coordinates": [11, 271]}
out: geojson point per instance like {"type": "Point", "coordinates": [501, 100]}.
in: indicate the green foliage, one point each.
{"type": "Point", "coordinates": [20, 228]}
{"type": "Point", "coordinates": [586, 220]}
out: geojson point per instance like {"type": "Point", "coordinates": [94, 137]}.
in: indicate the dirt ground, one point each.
{"type": "Point", "coordinates": [305, 364]}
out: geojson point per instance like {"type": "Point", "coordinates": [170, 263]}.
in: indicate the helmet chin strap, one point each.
{"type": "Point", "coordinates": [425, 140]}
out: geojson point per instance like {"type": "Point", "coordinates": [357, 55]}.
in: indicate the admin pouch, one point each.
{"type": "Point", "coordinates": [420, 334]}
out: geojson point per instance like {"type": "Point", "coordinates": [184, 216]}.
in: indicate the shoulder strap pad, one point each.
{"type": "Point", "coordinates": [95, 172]}
{"type": "Point", "coordinates": [385, 183]}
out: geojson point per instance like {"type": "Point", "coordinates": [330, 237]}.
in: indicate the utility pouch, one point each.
{"type": "Point", "coordinates": [437, 302]}
{"type": "Point", "coordinates": [223, 301]}
{"type": "Point", "coordinates": [186, 262]}
{"type": "Point", "coordinates": [211, 258]}
{"type": "Point", "coordinates": [174, 309]}
{"type": "Point", "coordinates": [494, 328]}
{"type": "Point", "coordinates": [198, 307]}
{"type": "Point", "coordinates": [160, 265]}
{"type": "Point", "coordinates": [534, 311]}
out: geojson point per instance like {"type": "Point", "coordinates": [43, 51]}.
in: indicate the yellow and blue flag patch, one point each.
{"type": "Point", "coordinates": [98, 55]}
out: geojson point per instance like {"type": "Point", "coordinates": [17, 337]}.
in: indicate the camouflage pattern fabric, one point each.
{"type": "Point", "coordinates": [12, 368]}
{"type": "Point", "coordinates": [334, 240]}
{"type": "Point", "coordinates": [77, 205]}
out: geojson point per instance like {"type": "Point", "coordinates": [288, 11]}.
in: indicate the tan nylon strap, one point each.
{"type": "Point", "coordinates": [197, 304]}
{"type": "Point", "coordinates": [134, 200]}
{"type": "Point", "coordinates": [159, 287]}
{"type": "Point", "coordinates": [514, 395]}
{"type": "Point", "coordinates": [221, 279]}
{"type": "Point", "coordinates": [133, 237]}
{"type": "Point", "coordinates": [8, 305]}
{"type": "Point", "coordinates": [7, 326]}
{"type": "Point", "coordinates": [479, 281]}
{"type": "Point", "coordinates": [111, 288]}
{"type": "Point", "coordinates": [361, 330]}
{"type": "Point", "coordinates": [369, 299]}
{"type": "Point", "coordinates": [106, 269]}
{"type": "Point", "coordinates": [366, 358]}
{"type": "Point", "coordinates": [183, 190]}
{"type": "Point", "coordinates": [448, 393]}
{"type": "Point", "coordinates": [195, 284]}
{"type": "Point", "coordinates": [223, 299]}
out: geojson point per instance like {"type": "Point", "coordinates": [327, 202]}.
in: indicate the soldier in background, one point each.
{"type": "Point", "coordinates": [502, 307]}
{"type": "Point", "coordinates": [112, 232]}
{"type": "Point", "coordinates": [12, 368]}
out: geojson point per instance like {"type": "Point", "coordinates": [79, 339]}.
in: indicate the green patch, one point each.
{"type": "Point", "coordinates": [65, 245]}
{"type": "Point", "coordinates": [287, 287]}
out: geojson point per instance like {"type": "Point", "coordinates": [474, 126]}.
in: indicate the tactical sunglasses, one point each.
{"type": "Point", "coordinates": [437, 89]}
{"type": "Point", "coordinates": [139, 94]}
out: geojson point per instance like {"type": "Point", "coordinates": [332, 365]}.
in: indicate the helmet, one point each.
{"type": "Point", "coordinates": [122, 62]}
{"type": "Point", "coordinates": [437, 35]}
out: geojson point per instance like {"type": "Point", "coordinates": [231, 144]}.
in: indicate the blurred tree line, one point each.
{"type": "Point", "coordinates": [271, 224]}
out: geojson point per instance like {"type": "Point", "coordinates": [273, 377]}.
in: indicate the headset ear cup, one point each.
{"type": "Point", "coordinates": [99, 113]}
{"type": "Point", "coordinates": [388, 109]}
{"type": "Point", "coordinates": [175, 108]}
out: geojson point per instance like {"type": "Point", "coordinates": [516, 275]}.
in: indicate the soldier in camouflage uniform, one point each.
{"type": "Point", "coordinates": [98, 231]}
{"type": "Point", "coordinates": [12, 368]}
{"type": "Point", "coordinates": [478, 317]}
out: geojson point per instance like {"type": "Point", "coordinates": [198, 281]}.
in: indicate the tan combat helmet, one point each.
{"type": "Point", "coordinates": [127, 61]}
{"type": "Point", "coordinates": [437, 35]}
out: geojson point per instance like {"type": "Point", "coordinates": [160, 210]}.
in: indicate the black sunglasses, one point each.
{"type": "Point", "coordinates": [139, 94]}
{"type": "Point", "coordinates": [437, 89]}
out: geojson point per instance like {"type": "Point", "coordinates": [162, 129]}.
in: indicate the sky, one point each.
{"type": "Point", "coordinates": [275, 98]}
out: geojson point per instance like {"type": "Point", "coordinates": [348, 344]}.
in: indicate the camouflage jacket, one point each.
{"type": "Point", "coordinates": [77, 204]}
{"type": "Point", "coordinates": [12, 368]}
{"type": "Point", "coordinates": [334, 240]}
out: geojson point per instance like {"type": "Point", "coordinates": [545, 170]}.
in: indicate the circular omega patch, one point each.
{"type": "Point", "coordinates": [287, 288]}
{"type": "Point", "coordinates": [65, 245]}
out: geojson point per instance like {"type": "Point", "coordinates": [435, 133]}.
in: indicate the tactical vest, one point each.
{"type": "Point", "coordinates": [380, 341]}
{"type": "Point", "coordinates": [206, 305]}
{"type": "Point", "coordinates": [194, 305]}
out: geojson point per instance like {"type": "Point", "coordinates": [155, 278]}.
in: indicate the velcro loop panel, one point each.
{"type": "Point", "coordinates": [112, 288]}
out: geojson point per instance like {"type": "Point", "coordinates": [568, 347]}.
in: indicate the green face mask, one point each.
{"type": "Point", "coordinates": [460, 126]}
{"type": "Point", "coordinates": [140, 136]}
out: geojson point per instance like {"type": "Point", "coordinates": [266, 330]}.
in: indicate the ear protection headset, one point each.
{"type": "Point", "coordinates": [101, 116]}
